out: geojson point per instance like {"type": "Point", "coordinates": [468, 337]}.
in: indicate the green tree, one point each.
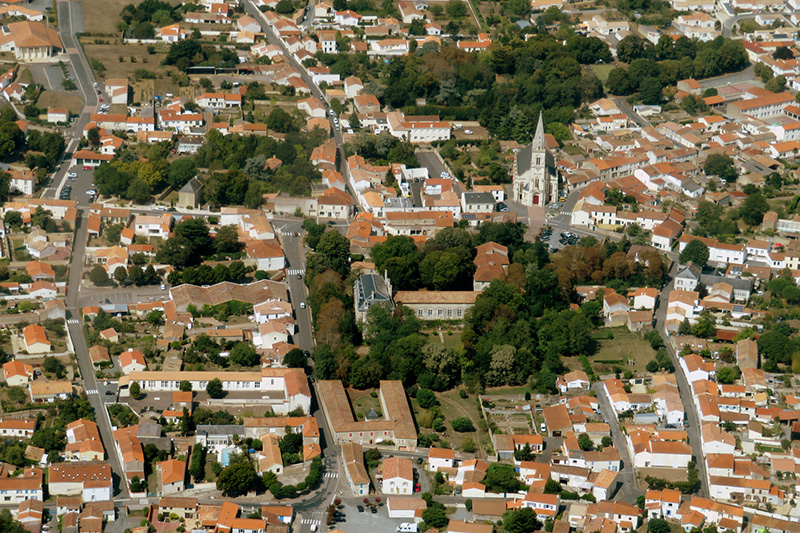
{"type": "Point", "coordinates": [136, 484]}
{"type": "Point", "coordinates": [728, 374]}
{"type": "Point", "coordinates": [51, 439]}
{"type": "Point", "coordinates": [658, 525]}
{"type": "Point", "coordinates": [120, 274]}
{"type": "Point", "coordinates": [426, 398]}
{"type": "Point", "coordinates": [13, 219]}
{"type": "Point", "coordinates": [227, 240]}
{"type": "Point", "coordinates": [753, 209]}
{"type": "Point", "coordinates": [456, 8]}
{"type": "Point", "coordinates": [695, 252]}
{"type": "Point", "coordinates": [237, 479]}
{"type": "Point", "coordinates": [11, 139]}
{"type": "Point", "coordinates": [185, 386]}
{"type": "Point", "coordinates": [462, 425]}
{"type": "Point", "coordinates": [99, 276]}
{"type": "Point", "coordinates": [214, 388]}
{"type": "Point", "coordinates": [332, 253]}
{"type": "Point", "coordinates": [244, 354]}
{"type": "Point", "coordinates": [620, 83]}
{"type": "Point", "coordinates": [436, 517]}
{"type": "Point", "coordinates": [135, 390]}
{"type": "Point", "coordinates": [585, 442]}
{"type": "Point", "coordinates": [520, 521]}
{"type": "Point", "coordinates": [295, 358]}
{"type": "Point", "coordinates": [650, 91]}
{"type": "Point", "coordinates": [180, 172]}
{"type": "Point", "coordinates": [631, 47]}
{"type": "Point", "coordinates": [720, 165]}
{"type": "Point", "coordinates": [501, 478]}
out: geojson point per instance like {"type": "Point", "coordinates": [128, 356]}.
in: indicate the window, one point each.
{"type": "Point", "coordinates": [449, 312]}
{"type": "Point", "coordinates": [430, 312]}
{"type": "Point", "coordinates": [458, 313]}
{"type": "Point", "coordinates": [440, 312]}
{"type": "Point", "coordinates": [419, 312]}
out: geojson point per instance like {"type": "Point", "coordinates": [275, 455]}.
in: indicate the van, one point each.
{"type": "Point", "coordinates": [407, 527]}
{"type": "Point", "coordinates": [313, 528]}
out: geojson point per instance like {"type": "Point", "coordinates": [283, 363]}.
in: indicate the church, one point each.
{"type": "Point", "coordinates": [535, 178]}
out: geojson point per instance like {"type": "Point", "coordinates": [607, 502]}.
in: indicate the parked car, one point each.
{"type": "Point", "coordinates": [72, 175]}
{"type": "Point", "coordinates": [360, 508]}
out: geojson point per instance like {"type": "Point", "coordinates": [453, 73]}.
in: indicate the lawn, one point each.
{"type": "Point", "coordinates": [602, 71]}
{"type": "Point", "coordinates": [616, 352]}
{"type": "Point", "coordinates": [362, 402]}
{"type": "Point", "coordinates": [452, 406]}
{"type": "Point", "coordinates": [134, 57]}
{"type": "Point", "coordinates": [71, 101]}
{"type": "Point", "coordinates": [450, 338]}
{"type": "Point", "coordinates": [101, 16]}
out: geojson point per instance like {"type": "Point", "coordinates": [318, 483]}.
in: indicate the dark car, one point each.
{"type": "Point", "coordinates": [299, 276]}
{"type": "Point", "coordinates": [360, 508]}
{"type": "Point", "coordinates": [420, 460]}
{"type": "Point", "coordinates": [109, 393]}
{"type": "Point", "coordinates": [374, 509]}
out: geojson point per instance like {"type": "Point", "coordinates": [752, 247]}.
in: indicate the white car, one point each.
{"type": "Point", "coordinates": [302, 305]}
{"type": "Point", "coordinates": [91, 192]}
{"type": "Point", "coordinates": [72, 175]}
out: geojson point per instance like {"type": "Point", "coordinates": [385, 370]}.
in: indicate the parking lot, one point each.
{"type": "Point", "coordinates": [557, 239]}
{"type": "Point", "coordinates": [78, 182]}
{"type": "Point", "coordinates": [364, 521]}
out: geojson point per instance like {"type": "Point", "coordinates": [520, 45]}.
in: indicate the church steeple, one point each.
{"type": "Point", "coordinates": [538, 139]}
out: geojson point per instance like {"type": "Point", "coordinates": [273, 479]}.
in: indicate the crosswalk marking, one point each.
{"type": "Point", "coordinates": [309, 521]}
{"type": "Point", "coordinates": [331, 474]}
{"type": "Point", "coordinates": [92, 391]}
{"type": "Point", "coordinates": [73, 321]}
{"type": "Point", "coordinates": [295, 271]}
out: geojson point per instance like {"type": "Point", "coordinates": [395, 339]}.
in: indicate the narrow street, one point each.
{"type": "Point", "coordinates": [629, 490]}
{"type": "Point", "coordinates": [685, 389]}
{"type": "Point", "coordinates": [273, 38]}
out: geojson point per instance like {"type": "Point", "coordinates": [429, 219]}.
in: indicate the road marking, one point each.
{"type": "Point", "coordinates": [73, 321]}
{"type": "Point", "coordinates": [92, 391]}
{"type": "Point", "coordinates": [331, 474]}
{"type": "Point", "coordinates": [295, 271]}
{"type": "Point", "coordinates": [309, 521]}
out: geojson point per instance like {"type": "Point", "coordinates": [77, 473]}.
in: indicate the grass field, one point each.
{"type": "Point", "coordinates": [602, 71]}
{"type": "Point", "coordinates": [71, 101]}
{"type": "Point", "coordinates": [101, 16]}
{"type": "Point", "coordinates": [109, 55]}
{"type": "Point", "coordinates": [624, 346]}
{"type": "Point", "coordinates": [450, 338]}
{"type": "Point", "coordinates": [363, 402]}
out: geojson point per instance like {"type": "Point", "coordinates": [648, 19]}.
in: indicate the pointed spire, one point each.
{"type": "Point", "coordinates": [538, 138]}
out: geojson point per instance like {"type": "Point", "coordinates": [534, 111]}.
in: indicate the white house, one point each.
{"type": "Point", "coordinates": [440, 458]}
{"type": "Point", "coordinates": [398, 476]}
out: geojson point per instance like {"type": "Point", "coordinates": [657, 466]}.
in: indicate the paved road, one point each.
{"type": "Point", "coordinates": [70, 17]}
{"type": "Point", "coordinates": [727, 25]}
{"type": "Point", "coordinates": [70, 21]}
{"type": "Point", "coordinates": [295, 252]}
{"type": "Point", "coordinates": [736, 77]}
{"type": "Point", "coordinates": [429, 160]}
{"type": "Point", "coordinates": [273, 38]}
{"type": "Point", "coordinates": [687, 395]}
{"type": "Point", "coordinates": [628, 491]}
{"type": "Point", "coordinates": [628, 110]}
